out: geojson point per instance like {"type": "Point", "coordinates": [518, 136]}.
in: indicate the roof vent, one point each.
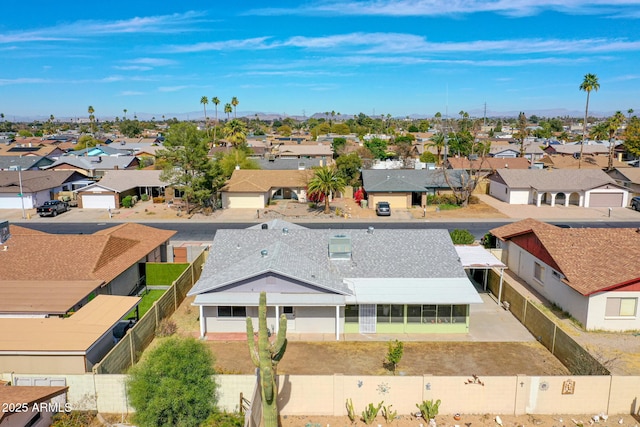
{"type": "Point", "coordinates": [265, 226]}
{"type": "Point", "coordinates": [264, 253]}
{"type": "Point", "coordinates": [285, 231]}
{"type": "Point", "coordinates": [370, 229]}
{"type": "Point", "coordinates": [340, 247]}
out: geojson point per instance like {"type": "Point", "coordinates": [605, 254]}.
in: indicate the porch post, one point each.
{"type": "Point", "coordinates": [553, 199]}
{"type": "Point", "coordinates": [538, 199]}
{"type": "Point", "coordinates": [500, 289]}
{"type": "Point", "coordinates": [486, 271]}
{"type": "Point", "coordinates": [203, 327]}
{"type": "Point", "coordinates": [337, 323]}
{"type": "Point", "coordinates": [277, 323]}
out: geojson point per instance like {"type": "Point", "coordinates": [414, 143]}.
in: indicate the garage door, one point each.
{"type": "Point", "coordinates": [243, 201]}
{"type": "Point", "coordinates": [396, 200]}
{"type": "Point", "coordinates": [605, 200]}
{"type": "Point", "coordinates": [98, 202]}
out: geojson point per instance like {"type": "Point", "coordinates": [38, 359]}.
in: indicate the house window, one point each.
{"type": "Point", "coordinates": [390, 313]}
{"type": "Point", "coordinates": [231, 311]}
{"type": "Point", "coordinates": [429, 313]}
{"type": "Point", "coordinates": [459, 314]}
{"type": "Point", "coordinates": [621, 307]}
{"type": "Point", "coordinates": [351, 313]}
{"type": "Point", "coordinates": [414, 313]}
{"type": "Point", "coordinates": [288, 311]}
{"type": "Point", "coordinates": [538, 272]}
{"type": "Point", "coordinates": [444, 314]}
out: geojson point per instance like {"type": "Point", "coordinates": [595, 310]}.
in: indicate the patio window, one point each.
{"type": "Point", "coordinates": [232, 311]}
{"type": "Point", "coordinates": [429, 313]}
{"type": "Point", "coordinates": [390, 313]}
{"type": "Point", "coordinates": [414, 313]}
{"type": "Point", "coordinates": [351, 313]}
{"type": "Point", "coordinates": [538, 272]}
{"type": "Point", "coordinates": [621, 307]}
{"type": "Point", "coordinates": [444, 314]}
{"type": "Point", "coordinates": [459, 314]}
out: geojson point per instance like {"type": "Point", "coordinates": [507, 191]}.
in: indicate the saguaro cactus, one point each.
{"type": "Point", "coordinates": [266, 357]}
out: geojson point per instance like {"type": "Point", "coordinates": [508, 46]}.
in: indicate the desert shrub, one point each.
{"type": "Point", "coordinates": [166, 328]}
{"type": "Point", "coordinates": [462, 237]}
{"type": "Point", "coordinates": [442, 199]}
{"type": "Point", "coordinates": [474, 200]}
{"type": "Point", "coordinates": [144, 197]}
{"type": "Point", "coordinates": [174, 385]}
{"type": "Point", "coordinates": [159, 199]}
{"type": "Point", "coordinates": [127, 202]}
{"type": "Point", "coordinates": [224, 419]}
{"type": "Point", "coordinates": [73, 418]}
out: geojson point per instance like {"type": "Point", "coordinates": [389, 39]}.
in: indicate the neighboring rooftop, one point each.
{"type": "Point", "coordinates": [555, 179]}
{"type": "Point", "coordinates": [43, 297]}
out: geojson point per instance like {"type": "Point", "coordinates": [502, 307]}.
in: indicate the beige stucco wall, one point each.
{"type": "Point", "coordinates": [38, 364]}
{"type": "Point", "coordinates": [396, 200]}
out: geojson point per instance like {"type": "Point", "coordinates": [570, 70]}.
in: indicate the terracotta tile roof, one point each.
{"type": "Point", "coordinates": [43, 297]}
{"type": "Point", "coordinates": [248, 181]}
{"type": "Point", "coordinates": [19, 395]}
{"type": "Point", "coordinates": [591, 259]}
{"type": "Point", "coordinates": [76, 333]}
{"type": "Point", "coordinates": [100, 256]}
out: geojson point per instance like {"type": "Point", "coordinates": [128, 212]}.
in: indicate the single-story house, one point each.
{"type": "Point", "coordinates": [62, 345]}
{"type": "Point", "coordinates": [13, 163]}
{"type": "Point", "coordinates": [277, 163]}
{"type": "Point", "coordinates": [591, 273]}
{"type": "Point", "coordinates": [94, 167]}
{"type": "Point", "coordinates": [115, 185]}
{"type": "Point", "coordinates": [363, 281]}
{"type": "Point", "coordinates": [115, 256]}
{"type": "Point", "coordinates": [592, 148]}
{"type": "Point", "coordinates": [488, 164]}
{"type": "Point", "coordinates": [558, 161]}
{"type": "Point", "coordinates": [100, 150]}
{"type": "Point", "coordinates": [628, 178]}
{"type": "Point", "coordinates": [405, 188]}
{"type": "Point", "coordinates": [32, 406]}
{"type": "Point", "coordinates": [253, 188]}
{"type": "Point", "coordinates": [31, 188]}
{"type": "Point", "coordinates": [588, 188]}
{"type": "Point", "coordinates": [295, 151]}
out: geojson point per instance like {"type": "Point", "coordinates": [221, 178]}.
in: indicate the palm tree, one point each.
{"type": "Point", "coordinates": [325, 181]}
{"type": "Point", "coordinates": [215, 100]}
{"type": "Point", "coordinates": [204, 101]}
{"type": "Point", "coordinates": [228, 109]}
{"type": "Point", "coordinates": [599, 132]}
{"type": "Point", "coordinates": [236, 132]}
{"type": "Point", "coordinates": [125, 114]}
{"type": "Point", "coordinates": [613, 123]}
{"type": "Point", "coordinates": [589, 83]}
{"type": "Point", "coordinates": [438, 141]}
{"type": "Point", "coordinates": [630, 112]}
{"type": "Point", "coordinates": [90, 110]}
{"type": "Point", "coordinates": [234, 102]}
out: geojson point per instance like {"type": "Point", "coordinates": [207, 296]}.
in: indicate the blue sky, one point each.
{"type": "Point", "coordinates": [397, 57]}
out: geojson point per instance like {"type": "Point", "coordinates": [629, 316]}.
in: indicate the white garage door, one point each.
{"type": "Point", "coordinates": [605, 200]}
{"type": "Point", "coordinates": [12, 202]}
{"type": "Point", "coordinates": [243, 201]}
{"type": "Point", "coordinates": [98, 202]}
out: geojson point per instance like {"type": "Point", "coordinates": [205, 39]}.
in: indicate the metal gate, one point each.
{"type": "Point", "coordinates": [367, 318]}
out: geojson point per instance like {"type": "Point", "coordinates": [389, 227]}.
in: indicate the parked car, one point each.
{"type": "Point", "coordinates": [383, 209]}
{"type": "Point", "coordinates": [52, 208]}
{"type": "Point", "coordinates": [635, 203]}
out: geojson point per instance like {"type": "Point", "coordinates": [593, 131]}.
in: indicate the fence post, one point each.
{"type": "Point", "coordinates": [553, 343]}
{"type": "Point", "coordinates": [133, 362]}
{"type": "Point", "coordinates": [175, 298]}
{"type": "Point", "coordinates": [155, 309]}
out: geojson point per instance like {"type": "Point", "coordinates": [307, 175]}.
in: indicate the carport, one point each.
{"type": "Point", "coordinates": [476, 258]}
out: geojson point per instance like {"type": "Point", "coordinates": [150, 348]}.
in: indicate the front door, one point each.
{"type": "Point", "coordinates": [367, 319]}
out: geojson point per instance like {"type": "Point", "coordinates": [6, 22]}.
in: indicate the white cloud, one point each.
{"type": "Point", "coordinates": [246, 44]}
{"type": "Point", "coordinates": [454, 7]}
{"type": "Point", "coordinates": [172, 88]}
{"type": "Point", "coordinates": [131, 93]}
{"type": "Point", "coordinates": [22, 81]}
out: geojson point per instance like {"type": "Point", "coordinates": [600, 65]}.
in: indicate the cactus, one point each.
{"type": "Point", "coordinates": [371, 412]}
{"type": "Point", "coordinates": [351, 411]}
{"type": "Point", "coordinates": [429, 408]}
{"type": "Point", "coordinates": [265, 356]}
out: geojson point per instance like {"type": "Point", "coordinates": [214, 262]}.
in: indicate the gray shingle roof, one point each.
{"type": "Point", "coordinates": [554, 179]}
{"type": "Point", "coordinates": [93, 163]}
{"type": "Point", "coordinates": [25, 162]}
{"type": "Point", "coordinates": [302, 254]}
{"type": "Point", "coordinates": [406, 180]}
{"type": "Point", "coordinates": [122, 180]}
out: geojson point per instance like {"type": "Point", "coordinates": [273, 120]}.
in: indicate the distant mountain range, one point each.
{"type": "Point", "coordinates": [198, 115]}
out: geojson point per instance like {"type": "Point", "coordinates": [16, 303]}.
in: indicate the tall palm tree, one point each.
{"type": "Point", "coordinates": [90, 110]}
{"type": "Point", "coordinates": [234, 102]}
{"type": "Point", "coordinates": [326, 180]}
{"type": "Point", "coordinates": [204, 101]}
{"type": "Point", "coordinates": [125, 114]}
{"type": "Point", "coordinates": [589, 83]}
{"type": "Point", "coordinates": [228, 110]}
{"type": "Point", "coordinates": [215, 100]}
{"type": "Point", "coordinates": [613, 123]}
{"type": "Point", "coordinates": [630, 112]}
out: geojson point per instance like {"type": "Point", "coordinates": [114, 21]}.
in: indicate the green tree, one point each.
{"type": "Point", "coordinates": [326, 180]}
{"type": "Point", "coordinates": [438, 141]}
{"type": "Point", "coordinates": [234, 102]}
{"type": "Point", "coordinates": [320, 129]}
{"type": "Point", "coordinates": [86, 141]}
{"type": "Point", "coordinates": [428, 157]}
{"type": "Point", "coordinates": [378, 148]}
{"type": "Point", "coordinates": [522, 131]}
{"type": "Point", "coordinates": [349, 166]}
{"type": "Point", "coordinates": [632, 136]}
{"type": "Point", "coordinates": [394, 355]}
{"type": "Point", "coordinates": [337, 145]}
{"type": "Point", "coordinates": [228, 109]}
{"type": "Point", "coordinates": [174, 385]}
{"type": "Point", "coordinates": [599, 131]}
{"type": "Point", "coordinates": [130, 128]}
{"type": "Point", "coordinates": [235, 132]}
{"type": "Point", "coordinates": [187, 166]}
{"type": "Point", "coordinates": [284, 130]}
{"type": "Point", "coordinates": [92, 118]}
{"type": "Point", "coordinates": [589, 84]}
{"type": "Point", "coordinates": [462, 237]}
{"type": "Point", "coordinates": [340, 129]}
{"type": "Point", "coordinates": [613, 123]}
{"type": "Point", "coordinates": [236, 157]}
{"type": "Point", "coordinates": [204, 101]}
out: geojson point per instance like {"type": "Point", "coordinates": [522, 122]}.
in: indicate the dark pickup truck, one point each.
{"type": "Point", "coordinates": [52, 208]}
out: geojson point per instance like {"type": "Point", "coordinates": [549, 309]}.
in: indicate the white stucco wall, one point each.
{"type": "Point", "coordinates": [625, 196]}
{"type": "Point", "coordinates": [499, 191]}
{"type": "Point", "coordinates": [522, 263]}
{"type": "Point", "coordinates": [598, 320]}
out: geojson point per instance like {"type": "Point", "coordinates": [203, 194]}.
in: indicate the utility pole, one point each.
{"type": "Point", "coordinates": [484, 121]}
